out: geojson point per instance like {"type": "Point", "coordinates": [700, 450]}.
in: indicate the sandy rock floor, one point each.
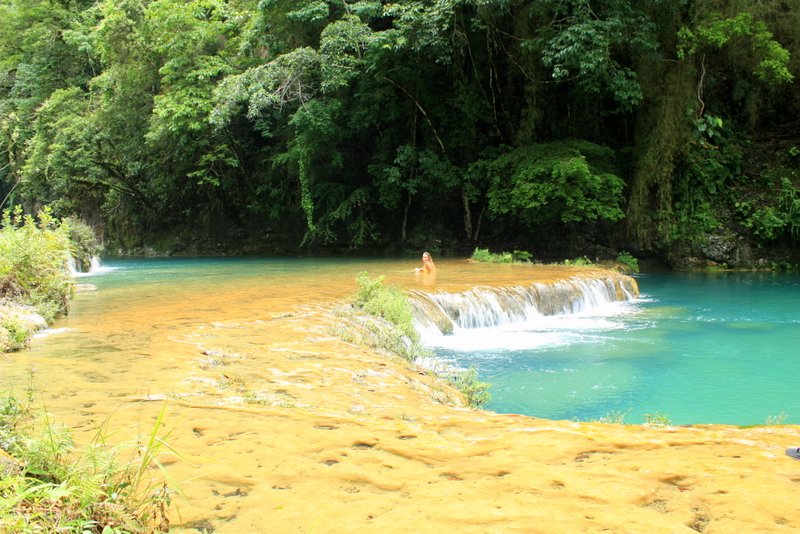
{"type": "Point", "coordinates": [346, 440]}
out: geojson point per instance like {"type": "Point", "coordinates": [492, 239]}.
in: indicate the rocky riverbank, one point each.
{"type": "Point", "coordinates": [17, 324]}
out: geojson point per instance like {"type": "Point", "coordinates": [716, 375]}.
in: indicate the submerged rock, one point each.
{"type": "Point", "coordinates": [85, 288]}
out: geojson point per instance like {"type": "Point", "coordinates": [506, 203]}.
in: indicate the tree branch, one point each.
{"type": "Point", "coordinates": [700, 86]}
{"type": "Point", "coordinates": [421, 109]}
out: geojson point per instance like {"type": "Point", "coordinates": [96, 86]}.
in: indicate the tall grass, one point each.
{"type": "Point", "coordinates": [47, 485]}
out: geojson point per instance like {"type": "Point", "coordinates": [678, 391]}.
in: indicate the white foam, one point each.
{"type": "Point", "coordinates": [535, 332]}
{"type": "Point", "coordinates": [52, 331]}
{"type": "Point", "coordinates": [96, 268]}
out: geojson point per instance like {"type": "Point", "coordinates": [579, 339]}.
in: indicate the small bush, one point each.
{"type": "Point", "coordinates": [13, 335]}
{"type": "Point", "coordinates": [484, 256]}
{"type": "Point", "coordinates": [33, 256]}
{"type": "Point", "coordinates": [387, 324]}
{"type": "Point", "coordinates": [583, 261]}
{"type": "Point", "coordinates": [475, 391]}
{"type": "Point", "coordinates": [388, 302]}
{"type": "Point", "coordinates": [626, 259]}
{"type": "Point", "coordinates": [381, 318]}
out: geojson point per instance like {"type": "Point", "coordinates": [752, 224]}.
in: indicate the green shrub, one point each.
{"type": "Point", "coordinates": [583, 261]}
{"type": "Point", "coordinates": [13, 335]}
{"type": "Point", "coordinates": [388, 302]}
{"type": "Point", "coordinates": [475, 391]}
{"type": "Point", "coordinates": [521, 256]}
{"type": "Point", "coordinates": [626, 259]}
{"type": "Point", "coordinates": [484, 256]}
{"type": "Point", "coordinates": [774, 213]}
{"type": "Point", "coordinates": [381, 318]}
{"type": "Point", "coordinates": [387, 324]}
{"type": "Point", "coordinates": [33, 256]}
{"type": "Point", "coordinates": [566, 181]}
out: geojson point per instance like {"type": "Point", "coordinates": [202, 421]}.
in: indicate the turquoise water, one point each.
{"type": "Point", "coordinates": [696, 348]}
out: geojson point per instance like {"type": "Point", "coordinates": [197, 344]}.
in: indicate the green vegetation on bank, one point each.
{"type": "Point", "coordinates": [484, 256]}
{"type": "Point", "coordinates": [34, 276]}
{"type": "Point", "coordinates": [382, 318]}
{"type": "Point", "coordinates": [46, 485]}
{"type": "Point", "coordinates": [663, 127]}
{"type": "Point", "coordinates": [33, 262]}
{"type": "Point", "coordinates": [624, 262]}
{"type": "Point", "coordinates": [629, 264]}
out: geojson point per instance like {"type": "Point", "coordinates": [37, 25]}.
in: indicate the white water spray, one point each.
{"type": "Point", "coordinates": [96, 267]}
{"type": "Point", "coordinates": [506, 317]}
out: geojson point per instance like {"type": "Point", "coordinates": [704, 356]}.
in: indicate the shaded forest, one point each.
{"type": "Point", "coordinates": [668, 128]}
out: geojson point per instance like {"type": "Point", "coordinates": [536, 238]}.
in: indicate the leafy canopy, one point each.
{"type": "Point", "coordinates": [549, 182]}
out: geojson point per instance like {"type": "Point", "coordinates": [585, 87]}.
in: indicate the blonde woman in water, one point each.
{"type": "Point", "coordinates": [427, 264]}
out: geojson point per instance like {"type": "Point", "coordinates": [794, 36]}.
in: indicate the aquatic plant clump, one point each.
{"type": "Point", "coordinates": [386, 323]}
{"type": "Point", "coordinates": [381, 317]}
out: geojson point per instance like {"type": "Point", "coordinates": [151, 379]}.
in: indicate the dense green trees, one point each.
{"type": "Point", "coordinates": [646, 125]}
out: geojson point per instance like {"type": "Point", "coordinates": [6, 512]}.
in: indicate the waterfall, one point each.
{"type": "Point", "coordinates": [95, 267]}
{"type": "Point", "coordinates": [72, 265]}
{"type": "Point", "coordinates": [483, 307]}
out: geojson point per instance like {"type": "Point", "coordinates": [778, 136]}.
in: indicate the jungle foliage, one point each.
{"type": "Point", "coordinates": [335, 123]}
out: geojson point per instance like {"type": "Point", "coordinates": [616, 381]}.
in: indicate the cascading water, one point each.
{"type": "Point", "coordinates": [438, 314]}
{"type": "Point", "coordinates": [95, 267]}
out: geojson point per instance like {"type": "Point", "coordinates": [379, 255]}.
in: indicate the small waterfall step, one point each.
{"type": "Point", "coordinates": [493, 306]}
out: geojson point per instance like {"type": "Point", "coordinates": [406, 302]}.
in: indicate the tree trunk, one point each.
{"type": "Point", "coordinates": [467, 214]}
{"type": "Point", "coordinates": [480, 220]}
